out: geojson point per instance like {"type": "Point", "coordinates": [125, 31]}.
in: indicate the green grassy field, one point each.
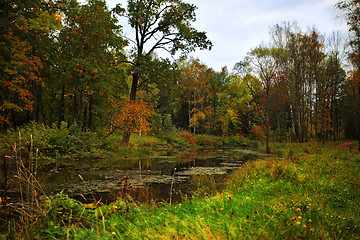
{"type": "Point", "coordinates": [312, 193]}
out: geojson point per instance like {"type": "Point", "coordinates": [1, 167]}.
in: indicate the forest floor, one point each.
{"type": "Point", "coordinates": [350, 146]}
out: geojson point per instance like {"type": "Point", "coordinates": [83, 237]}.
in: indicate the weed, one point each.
{"type": "Point", "coordinates": [203, 185]}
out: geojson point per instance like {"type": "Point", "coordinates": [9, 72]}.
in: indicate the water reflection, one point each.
{"type": "Point", "coordinates": [149, 178]}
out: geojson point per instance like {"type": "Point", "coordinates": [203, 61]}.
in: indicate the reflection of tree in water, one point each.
{"type": "Point", "coordinates": [189, 156]}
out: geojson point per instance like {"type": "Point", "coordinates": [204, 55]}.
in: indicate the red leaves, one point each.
{"type": "Point", "coordinates": [22, 72]}
{"type": "Point", "coordinates": [354, 79]}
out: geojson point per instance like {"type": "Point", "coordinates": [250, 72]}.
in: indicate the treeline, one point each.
{"type": "Point", "coordinates": [59, 62]}
{"type": "Point", "coordinates": [63, 61]}
{"type": "Point", "coordinates": [305, 94]}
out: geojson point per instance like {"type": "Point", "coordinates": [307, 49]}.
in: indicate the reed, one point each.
{"type": "Point", "coordinates": [29, 208]}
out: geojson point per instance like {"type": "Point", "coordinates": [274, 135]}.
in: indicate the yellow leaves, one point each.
{"type": "Point", "coordinates": [195, 118]}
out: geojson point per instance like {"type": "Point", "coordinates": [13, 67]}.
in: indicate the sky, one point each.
{"type": "Point", "coordinates": [236, 26]}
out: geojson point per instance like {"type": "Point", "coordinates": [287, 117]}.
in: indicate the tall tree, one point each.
{"type": "Point", "coordinates": [24, 29]}
{"type": "Point", "coordinates": [158, 24]}
{"type": "Point", "coordinates": [281, 35]}
{"type": "Point", "coordinates": [89, 53]}
{"type": "Point", "coordinates": [351, 9]}
{"type": "Point", "coordinates": [196, 80]}
{"type": "Point", "coordinates": [265, 65]}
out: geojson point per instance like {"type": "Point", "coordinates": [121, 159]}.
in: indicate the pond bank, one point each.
{"type": "Point", "coordinates": [312, 195]}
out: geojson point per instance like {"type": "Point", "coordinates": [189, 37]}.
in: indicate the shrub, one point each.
{"type": "Point", "coordinates": [65, 141]}
{"type": "Point", "coordinates": [207, 141]}
{"type": "Point", "coordinates": [189, 137]}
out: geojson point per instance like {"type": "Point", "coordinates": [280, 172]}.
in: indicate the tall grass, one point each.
{"type": "Point", "coordinates": [28, 209]}
{"type": "Point", "coordinates": [312, 194]}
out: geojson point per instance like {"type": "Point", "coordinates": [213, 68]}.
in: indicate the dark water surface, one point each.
{"type": "Point", "coordinates": [152, 178]}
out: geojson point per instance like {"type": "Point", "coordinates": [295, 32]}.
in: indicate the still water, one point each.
{"type": "Point", "coordinates": [158, 177]}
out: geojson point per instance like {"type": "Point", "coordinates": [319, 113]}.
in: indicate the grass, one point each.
{"type": "Point", "coordinates": [312, 194]}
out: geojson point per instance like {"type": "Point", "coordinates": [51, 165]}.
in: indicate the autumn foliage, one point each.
{"type": "Point", "coordinates": [131, 116]}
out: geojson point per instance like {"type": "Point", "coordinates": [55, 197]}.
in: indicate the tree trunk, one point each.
{"type": "Point", "coordinates": [126, 138]}
{"type": "Point", "coordinates": [90, 112]}
{"type": "Point", "coordinates": [75, 107]}
{"type": "Point", "coordinates": [359, 107]}
{"type": "Point", "coordinates": [267, 120]}
{"type": "Point", "coordinates": [334, 117]}
{"type": "Point", "coordinates": [35, 110]}
{"type": "Point", "coordinates": [293, 130]}
{"type": "Point", "coordinates": [134, 88]}
{"type": "Point", "coordinates": [189, 115]}
{"type": "Point", "coordinates": [79, 110]}
{"type": "Point", "coordinates": [267, 133]}
{"type": "Point", "coordinates": [62, 106]}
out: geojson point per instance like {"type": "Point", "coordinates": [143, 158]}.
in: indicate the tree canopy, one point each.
{"type": "Point", "coordinates": [63, 61]}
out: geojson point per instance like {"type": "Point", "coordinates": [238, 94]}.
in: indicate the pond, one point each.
{"type": "Point", "coordinates": [162, 176]}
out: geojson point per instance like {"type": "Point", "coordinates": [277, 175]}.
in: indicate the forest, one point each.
{"type": "Point", "coordinates": [73, 85]}
{"type": "Point", "coordinates": [65, 62]}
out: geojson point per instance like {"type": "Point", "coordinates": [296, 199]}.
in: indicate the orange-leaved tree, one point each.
{"type": "Point", "coordinates": [196, 80]}
{"type": "Point", "coordinates": [158, 25]}
{"type": "Point", "coordinates": [130, 116]}
{"type": "Point", "coordinates": [21, 58]}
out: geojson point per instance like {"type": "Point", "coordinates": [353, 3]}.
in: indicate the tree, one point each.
{"type": "Point", "coordinates": [281, 36]}
{"type": "Point", "coordinates": [236, 107]}
{"type": "Point", "coordinates": [351, 9]}
{"type": "Point", "coordinates": [265, 65]}
{"type": "Point", "coordinates": [196, 81]}
{"type": "Point", "coordinates": [158, 24]}
{"type": "Point", "coordinates": [218, 84]}
{"type": "Point", "coordinates": [130, 116]}
{"type": "Point", "coordinates": [89, 52]}
{"type": "Point", "coordinates": [25, 27]}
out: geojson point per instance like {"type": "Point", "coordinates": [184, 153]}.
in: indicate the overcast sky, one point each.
{"type": "Point", "coordinates": [237, 26]}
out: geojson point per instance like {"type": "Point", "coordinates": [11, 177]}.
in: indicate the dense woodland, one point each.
{"type": "Point", "coordinates": [62, 61]}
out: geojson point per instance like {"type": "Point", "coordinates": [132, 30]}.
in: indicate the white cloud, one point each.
{"type": "Point", "coordinates": [236, 26]}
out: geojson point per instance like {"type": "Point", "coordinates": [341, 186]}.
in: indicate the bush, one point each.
{"type": "Point", "coordinates": [189, 137]}
{"type": "Point", "coordinates": [207, 141]}
{"type": "Point", "coordinates": [61, 209]}
{"type": "Point", "coordinates": [65, 141]}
